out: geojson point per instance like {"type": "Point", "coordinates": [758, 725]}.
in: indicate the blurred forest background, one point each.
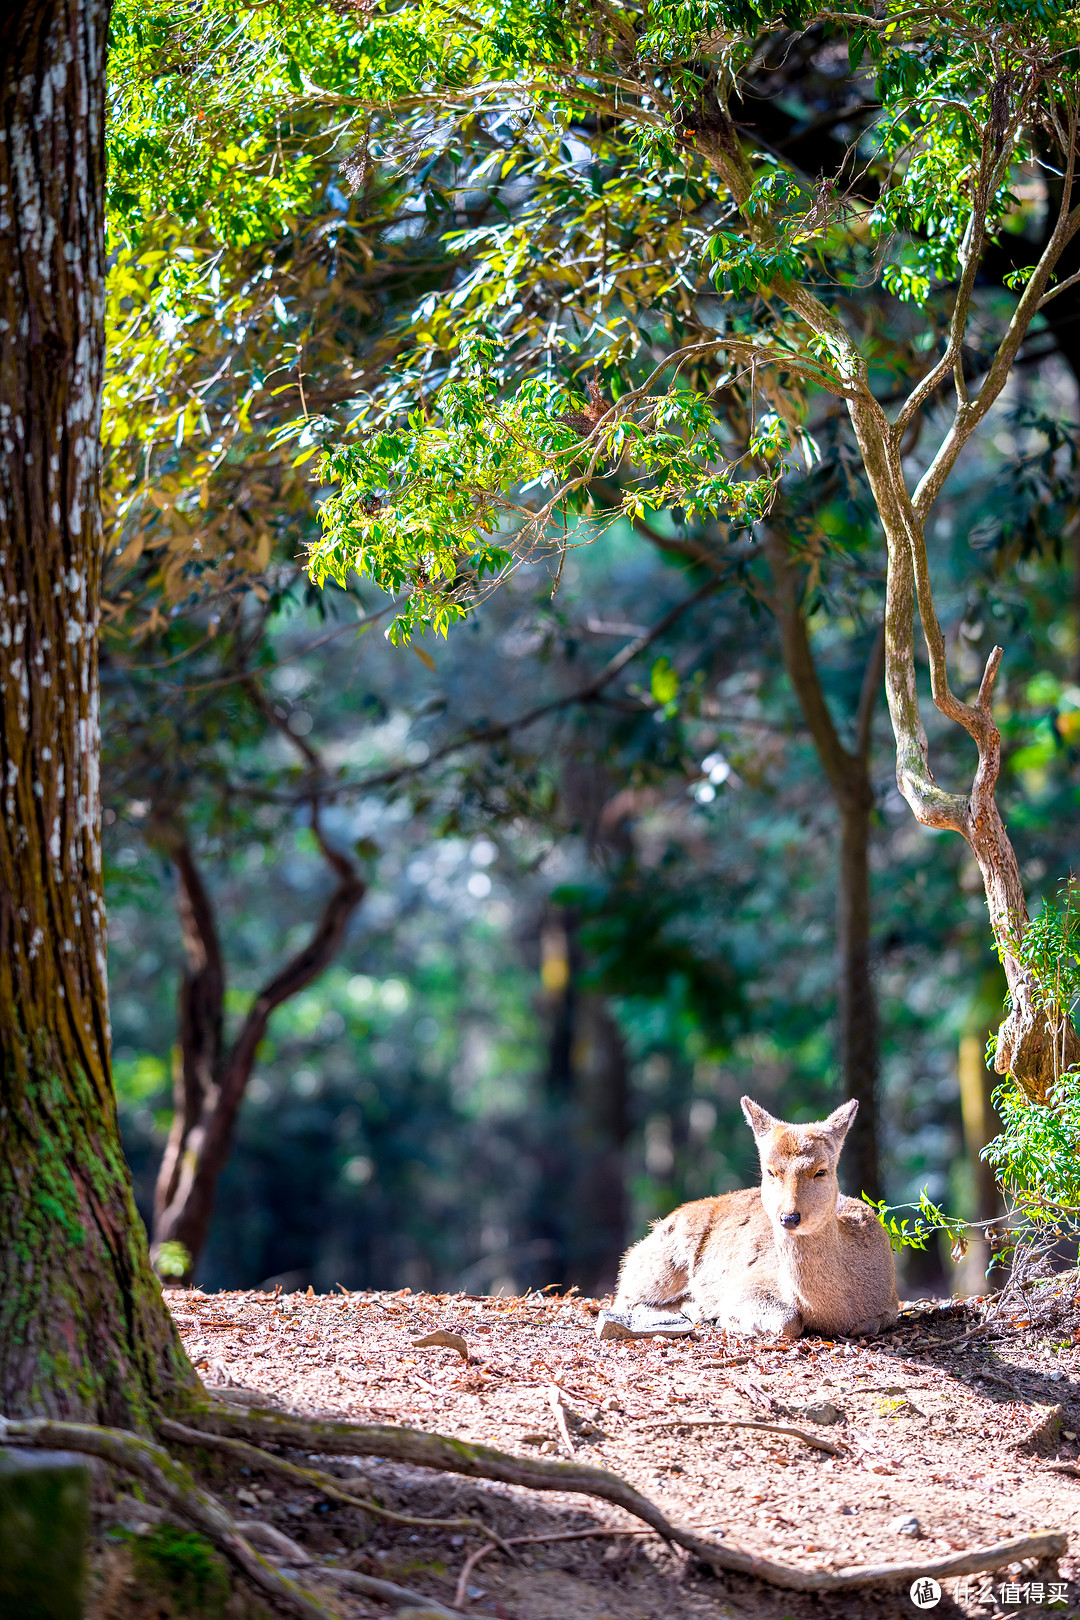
{"type": "Point", "coordinates": [571, 906]}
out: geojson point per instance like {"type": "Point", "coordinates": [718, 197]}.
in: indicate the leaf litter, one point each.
{"type": "Point", "coordinates": [708, 1426]}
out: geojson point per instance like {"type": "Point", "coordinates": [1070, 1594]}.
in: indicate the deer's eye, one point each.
{"type": "Point", "coordinates": [775, 1174]}
{"type": "Point", "coordinates": [819, 1173]}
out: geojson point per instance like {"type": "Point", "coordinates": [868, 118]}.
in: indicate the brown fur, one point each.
{"type": "Point", "coordinates": [731, 1260]}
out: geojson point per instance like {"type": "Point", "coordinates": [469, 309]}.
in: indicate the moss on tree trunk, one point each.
{"type": "Point", "coordinates": [83, 1329]}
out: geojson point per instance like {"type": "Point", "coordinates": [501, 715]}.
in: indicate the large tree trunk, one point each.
{"type": "Point", "coordinates": [83, 1330]}
{"type": "Point", "coordinates": [211, 1078]}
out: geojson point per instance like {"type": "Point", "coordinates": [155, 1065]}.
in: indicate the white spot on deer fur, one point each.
{"type": "Point", "coordinates": [73, 632]}
{"type": "Point", "coordinates": [37, 939]}
{"type": "Point", "coordinates": [54, 839]}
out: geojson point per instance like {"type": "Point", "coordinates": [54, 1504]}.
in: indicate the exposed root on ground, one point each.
{"type": "Point", "coordinates": [386, 1591]}
{"type": "Point", "coordinates": [315, 1479]}
{"type": "Point", "coordinates": [414, 1447]}
{"type": "Point", "coordinates": [171, 1483]}
{"type": "Point", "coordinates": [226, 1429]}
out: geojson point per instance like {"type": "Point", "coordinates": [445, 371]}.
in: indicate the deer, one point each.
{"type": "Point", "coordinates": [789, 1257]}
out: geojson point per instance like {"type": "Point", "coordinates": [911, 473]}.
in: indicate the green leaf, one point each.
{"type": "Point", "coordinates": [663, 681]}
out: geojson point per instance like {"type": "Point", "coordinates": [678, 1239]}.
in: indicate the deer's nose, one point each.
{"type": "Point", "coordinates": [791, 1220]}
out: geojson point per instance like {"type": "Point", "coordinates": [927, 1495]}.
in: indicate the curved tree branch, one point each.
{"type": "Point", "coordinates": [184, 1217]}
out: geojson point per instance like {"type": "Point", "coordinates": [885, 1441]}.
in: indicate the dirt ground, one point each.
{"type": "Point", "coordinates": [929, 1430]}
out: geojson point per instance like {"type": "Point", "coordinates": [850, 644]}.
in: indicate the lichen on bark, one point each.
{"type": "Point", "coordinates": [83, 1328]}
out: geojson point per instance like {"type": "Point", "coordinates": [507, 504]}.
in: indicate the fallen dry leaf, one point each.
{"type": "Point", "coordinates": [451, 1341]}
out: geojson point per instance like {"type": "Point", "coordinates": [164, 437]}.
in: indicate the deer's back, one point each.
{"type": "Point", "coordinates": [730, 1233]}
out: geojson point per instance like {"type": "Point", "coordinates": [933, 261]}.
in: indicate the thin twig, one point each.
{"type": "Point", "coordinates": [504, 728]}
{"type": "Point", "coordinates": [554, 1395]}
{"type": "Point", "coordinates": [462, 1590]}
{"type": "Point", "coordinates": [949, 1344]}
{"type": "Point", "coordinates": [746, 1423]}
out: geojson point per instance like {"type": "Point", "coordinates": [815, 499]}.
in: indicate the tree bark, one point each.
{"type": "Point", "coordinates": [83, 1330]}
{"type": "Point", "coordinates": [847, 771]}
{"type": "Point", "coordinates": [211, 1078]}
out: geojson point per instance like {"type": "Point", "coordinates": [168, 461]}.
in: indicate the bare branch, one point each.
{"type": "Point", "coordinates": [1070, 281]}
{"type": "Point", "coordinates": [868, 695]}
{"type": "Point", "coordinates": [990, 674]}
{"type": "Point", "coordinates": [802, 673]}
{"type": "Point", "coordinates": [970, 414]}
{"type": "Point", "coordinates": [496, 733]}
{"type": "Point", "coordinates": [996, 149]}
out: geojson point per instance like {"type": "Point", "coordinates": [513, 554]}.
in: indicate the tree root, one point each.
{"type": "Point", "coordinates": [314, 1479]}
{"type": "Point", "coordinates": [412, 1446]}
{"type": "Point", "coordinates": [386, 1592]}
{"type": "Point", "coordinates": [171, 1481]}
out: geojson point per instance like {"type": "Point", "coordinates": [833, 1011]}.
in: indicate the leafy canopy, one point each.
{"type": "Point", "coordinates": [648, 278]}
{"type": "Point", "coordinates": [655, 296]}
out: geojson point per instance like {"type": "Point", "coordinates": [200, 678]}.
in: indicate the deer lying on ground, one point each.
{"type": "Point", "coordinates": [791, 1255]}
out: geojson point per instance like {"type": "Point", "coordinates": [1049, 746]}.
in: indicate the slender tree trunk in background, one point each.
{"type": "Point", "coordinates": [857, 1013]}
{"type": "Point", "coordinates": [848, 774]}
{"type": "Point", "coordinates": [977, 1112]}
{"type": "Point", "coordinates": [552, 1215]}
{"type": "Point", "coordinates": [581, 1206]}
{"type": "Point", "coordinates": [211, 1078]}
{"type": "Point", "coordinates": [83, 1329]}
{"type": "Point", "coordinates": [601, 1098]}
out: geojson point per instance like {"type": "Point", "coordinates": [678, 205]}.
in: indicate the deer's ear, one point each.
{"type": "Point", "coordinates": [759, 1119]}
{"type": "Point", "coordinates": [839, 1121]}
